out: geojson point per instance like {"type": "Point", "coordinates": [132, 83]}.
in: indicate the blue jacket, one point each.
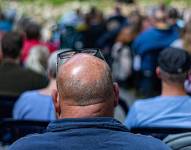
{"type": "Point", "coordinates": [150, 42]}
{"type": "Point", "coordinates": [5, 26]}
{"type": "Point", "coordinates": [87, 134]}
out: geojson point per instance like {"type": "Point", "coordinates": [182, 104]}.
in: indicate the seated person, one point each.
{"type": "Point", "coordinates": [38, 104]}
{"type": "Point", "coordinates": [147, 47]}
{"type": "Point", "coordinates": [172, 107]}
{"type": "Point", "coordinates": [5, 24]}
{"type": "Point", "coordinates": [84, 105]}
{"type": "Point", "coordinates": [14, 79]}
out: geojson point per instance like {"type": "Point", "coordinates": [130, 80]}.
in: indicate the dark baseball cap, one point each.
{"type": "Point", "coordinates": [174, 60]}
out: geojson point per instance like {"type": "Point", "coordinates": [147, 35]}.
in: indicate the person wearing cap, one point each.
{"type": "Point", "coordinates": [172, 107]}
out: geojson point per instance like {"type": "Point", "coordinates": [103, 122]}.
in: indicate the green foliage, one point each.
{"type": "Point", "coordinates": [167, 2]}
{"type": "Point", "coordinates": [52, 2]}
{"type": "Point", "coordinates": [59, 2]}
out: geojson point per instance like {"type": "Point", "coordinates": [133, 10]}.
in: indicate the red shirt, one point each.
{"type": "Point", "coordinates": [28, 44]}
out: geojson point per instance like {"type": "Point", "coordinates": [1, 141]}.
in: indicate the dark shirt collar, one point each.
{"type": "Point", "coordinates": [76, 123]}
{"type": "Point", "coordinates": [10, 62]}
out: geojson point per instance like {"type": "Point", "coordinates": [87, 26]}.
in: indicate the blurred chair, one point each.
{"type": "Point", "coordinates": [121, 110]}
{"type": "Point", "coordinates": [6, 106]}
{"type": "Point", "coordinates": [11, 130]}
{"type": "Point", "coordinates": [179, 141]}
{"type": "Point", "coordinates": [159, 132]}
{"type": "Point", "coordinates": [123, 106]}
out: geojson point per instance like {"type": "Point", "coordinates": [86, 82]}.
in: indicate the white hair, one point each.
{"type": "Point", "coordinates": [37, 59]}
{"type": "Point", "coordinates": [52, 67]}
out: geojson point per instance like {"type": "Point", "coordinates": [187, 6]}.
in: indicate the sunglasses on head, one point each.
{"type": "Point", "coordinates": [66, 54]}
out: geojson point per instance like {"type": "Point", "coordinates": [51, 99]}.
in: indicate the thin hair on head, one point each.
{"type": "Point", "coordinates": [87, 93]}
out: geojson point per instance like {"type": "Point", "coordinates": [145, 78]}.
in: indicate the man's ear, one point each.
{"type": "Point", "coordinates": [116, 93]}
{"type": "Point", "coordinates": [158, 72]}
{"type": "Point", "coordinates": [56, 102]}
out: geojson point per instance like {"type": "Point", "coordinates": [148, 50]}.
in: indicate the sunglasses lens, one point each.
{"type": "Point", "coordinates": [94, 52]}
{"type": "Point", "coordinates": [91, 52]}
{"type": "Point", "coordinates": [65, 55]}
{"type": "Point", "coordinates": [100, 55]}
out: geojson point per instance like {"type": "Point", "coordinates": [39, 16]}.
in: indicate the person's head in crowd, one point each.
{"type": "Point", "coordinates": [173, 15]}
{"type": "Point", "coordinates": [37, 59]}
{"type": "Point", "coordinates": [160, 15]}
{"type": "Point", "coordinates": [160, 19]}
{"type": "Point", "coordinates": [90, 16]}
{"type": "Point", "coordinates": [94, 17]}
{"type": "Point", "coordinates": [135, 18]}
{"type": "Point", "coordinates": [33, 31]}
{"type": "Point", "coordinates": [117, 10]}
{"type": "Point", "coordinates": [21, 24]}
{"type": "Point", "coordinates": [173, 67]}
{"type": "Point", "coordinates": [79, 12]}
{"type": "Point", "coordinates": [85, 89]}
{"type": "Point", "coordinates": [93, 11]}
{"type": "Point", "coordinates": [51, 74]}
{"type": "Point", "coordinates": [2, 17]}
{"type": "Point", "coordinates": [127, 34]}
{"type": "Point", "coordinates": [186, 37]}
{"type": "Point", "coordinates": [146, 23]}
{"type": "Point", "coordinates": [11, 45]}
{"type": "Point", "coordinates": [163, 7]}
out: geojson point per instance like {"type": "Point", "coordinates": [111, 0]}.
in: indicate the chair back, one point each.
{"type": "Point", "coordinates": [159, 132]}
{"type": "Point", "coordinates": [179, 141]}
{"type": "Point", "coordinates": [11, 130]}
{"type": "Point", "coordinates": [6, 106]}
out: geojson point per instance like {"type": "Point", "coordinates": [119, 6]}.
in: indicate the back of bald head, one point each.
{"type": "Point", "coordinates": [85, 80]}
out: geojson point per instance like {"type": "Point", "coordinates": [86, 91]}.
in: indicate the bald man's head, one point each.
{"type": "Point", "coordinates": [85, 80]}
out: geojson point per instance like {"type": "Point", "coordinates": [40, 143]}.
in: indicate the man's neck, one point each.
{"type": "Point", "coordinates": [95, 110]}
{"type": "Point", "coordinates": [172, 90]}
{"type": "Point", "coordinates": [48, 90]}
{"type": "Point", "coordinates": [161, 25]}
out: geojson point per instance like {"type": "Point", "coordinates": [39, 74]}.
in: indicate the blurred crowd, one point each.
{"type": "Point", "coordinates": [130, 43]}
{"type": "Point", "coordinates": [147, 52]}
